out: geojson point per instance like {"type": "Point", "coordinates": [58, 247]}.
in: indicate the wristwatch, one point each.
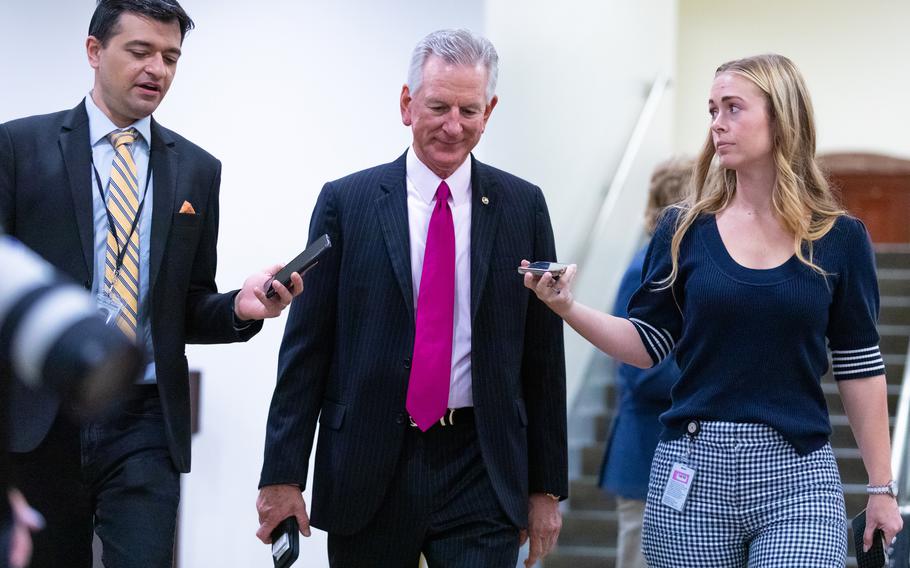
{"type": "Point", "coordinates": [889, 488]}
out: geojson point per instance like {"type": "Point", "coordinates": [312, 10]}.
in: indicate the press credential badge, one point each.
{"type": "Point", "coordinates": [678, 485]}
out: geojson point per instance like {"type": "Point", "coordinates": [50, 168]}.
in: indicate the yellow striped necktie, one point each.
{"type": "Point", "coordinates": [121, 273]}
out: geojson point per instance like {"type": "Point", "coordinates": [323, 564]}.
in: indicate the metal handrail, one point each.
{"type": "Point", "coordinates": [899, 450]}
{"type": "Point", "coordinates": [621, 177]}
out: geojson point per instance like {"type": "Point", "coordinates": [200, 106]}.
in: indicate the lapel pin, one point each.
{"type": "Point", "coordinates": [485, 200]}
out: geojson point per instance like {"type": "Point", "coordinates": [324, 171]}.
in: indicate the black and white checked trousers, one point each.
{"type": "Point", "coordinates": [754, 503]}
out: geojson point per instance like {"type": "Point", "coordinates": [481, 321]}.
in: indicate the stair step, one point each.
{"type": "Point", "coordinates": [895, 310]}
{"type": "Point", "coordinates": [585, 495]}
{"type": "Point", "coordinates": [894, 282]}
{"type": "Point", "coordinates": [589, 528]}
{"type": "Point", "coordinates": [894, 338]}
{"type": "Point", "coordinates": [602, 425]}
{"type": "Point", "coordinates": [581, 557]}
{"type": "Point", "coordinates": [592, 459]}
{"type": "Point", "coordinates": [892, 256]}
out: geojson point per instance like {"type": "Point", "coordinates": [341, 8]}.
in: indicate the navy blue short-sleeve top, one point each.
{"type": "Point", "coordinates": [752, 343]}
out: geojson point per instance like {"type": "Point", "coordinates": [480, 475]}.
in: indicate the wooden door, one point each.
{"type": "Point", "coordinates": [876, 189]}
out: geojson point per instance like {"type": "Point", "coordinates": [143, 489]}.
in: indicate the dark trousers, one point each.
{"type": "Point", "coordinates": [6, 528]}
{"type": "Point", "coordinates": [440, 503]}
{"type": "Point", "coordinates": [114, 477]}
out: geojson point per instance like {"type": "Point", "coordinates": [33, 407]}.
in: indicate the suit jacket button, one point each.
{"type": "Point", "coordinates": [401, 418]}
{"type": "Point", "coordinates": [407, 362]}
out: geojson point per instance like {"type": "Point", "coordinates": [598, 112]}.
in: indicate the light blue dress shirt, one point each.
{"type": "Point", "coordinates": [100, 126]}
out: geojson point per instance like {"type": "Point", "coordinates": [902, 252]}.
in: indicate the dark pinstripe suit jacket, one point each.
{"type": "Point", "coordinates": [345, 356]}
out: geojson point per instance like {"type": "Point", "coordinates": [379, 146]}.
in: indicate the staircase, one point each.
{"type": "Point", "coordinates": [588, 537]}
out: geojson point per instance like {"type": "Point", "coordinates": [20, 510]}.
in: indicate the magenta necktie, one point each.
{"type": "Point", "coordinates": [431, 367]}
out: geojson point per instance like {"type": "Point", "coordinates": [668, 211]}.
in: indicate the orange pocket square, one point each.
{"type": "Point", "coordinates": [187, 208]}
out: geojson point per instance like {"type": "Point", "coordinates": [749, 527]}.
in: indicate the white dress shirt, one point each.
{"type": "Point", "coordinates": [422, 184]}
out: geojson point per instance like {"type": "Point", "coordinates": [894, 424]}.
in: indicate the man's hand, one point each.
{"type": "Point", "coordinates": [544, 523]}
{"type": "Point", "coordinates": [25, 521]}
{"type": "Point", "coordinates": [275, 504]}
{"type": "Point", "coordinates": [251, 303]}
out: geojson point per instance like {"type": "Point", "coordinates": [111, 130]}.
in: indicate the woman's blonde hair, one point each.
{"type": "Point", "coordinates": [802, 198]}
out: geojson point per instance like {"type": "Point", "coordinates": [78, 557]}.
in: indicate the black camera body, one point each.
{"type": "Point", "coordinates": [51, 336]}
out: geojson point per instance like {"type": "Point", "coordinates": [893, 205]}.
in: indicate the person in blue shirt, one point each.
{"type": "Point", "coordinates": [644, 393]}
{"type": "Point", "coordinates": [750, 283]}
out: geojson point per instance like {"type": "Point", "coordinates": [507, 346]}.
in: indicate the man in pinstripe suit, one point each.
{"type": "Point", "coordinates": [467, 488]}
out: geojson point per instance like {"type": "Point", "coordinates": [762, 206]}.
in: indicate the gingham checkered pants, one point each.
{"type": "Point", "coordinates": [754, 502]}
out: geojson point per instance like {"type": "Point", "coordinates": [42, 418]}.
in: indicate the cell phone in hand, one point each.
{"type": "Point", "coordinates": [303, 262]}
{"type": "Point", "coordinates": [875, 557]}
{"type": "Point", "coordinates": [542, 267]}
{"type": "Point", "coordinates": [286, 543]}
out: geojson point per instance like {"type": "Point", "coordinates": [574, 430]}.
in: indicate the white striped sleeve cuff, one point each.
{"type": "Point", "coordinates": [658, 342]}
{"type": "Point", "coordinates": [857, 363]}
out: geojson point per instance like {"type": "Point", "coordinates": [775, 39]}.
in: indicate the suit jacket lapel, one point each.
{"type": "Point", "coordinates": [164, 184]}
{"type": "Point", "coordinates": [77, 155]}
{"type": "Point", "coordinates": [485, 211]}
{"type": "Point", "coordinates": [392, 208]}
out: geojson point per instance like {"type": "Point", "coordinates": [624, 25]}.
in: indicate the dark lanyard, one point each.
{"type": "Point", "coordinates": [121, 252]}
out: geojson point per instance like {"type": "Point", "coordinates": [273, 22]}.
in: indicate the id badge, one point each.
{"type": "Point", "coordinates": [678, 485]}
{"type": "Point", "coordinates": [109, 308]}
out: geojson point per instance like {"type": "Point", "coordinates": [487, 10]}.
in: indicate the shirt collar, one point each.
{"type": "Point", "coordinates": [426, 182]}
{"type": "Point", "coordinates": [99, 125]}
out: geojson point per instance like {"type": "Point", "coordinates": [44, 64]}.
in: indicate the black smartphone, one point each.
{"type": "Point", "coordinates": [541, 267]}
{"type": "Point", "coordinates": [875, 557]}
{"type": "Point", "coordinates": [286, 543]}
{"type": "Point", "coordinates": [303, 262]}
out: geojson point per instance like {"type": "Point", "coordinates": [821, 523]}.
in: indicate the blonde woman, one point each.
{"type": "Point", "coordinates": [748, 282]}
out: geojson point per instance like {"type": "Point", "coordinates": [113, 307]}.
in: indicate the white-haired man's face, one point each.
{"type": "Point", "coordinates": [447, 114]}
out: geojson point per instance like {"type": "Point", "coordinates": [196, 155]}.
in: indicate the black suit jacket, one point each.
{"type": "Point", "coordinates": [46, 202]}
{"type": "Point", "coordinates": [349, 338]}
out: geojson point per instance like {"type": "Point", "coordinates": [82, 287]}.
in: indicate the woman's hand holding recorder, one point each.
{"type": "Point", "coordinates": [551, 282]}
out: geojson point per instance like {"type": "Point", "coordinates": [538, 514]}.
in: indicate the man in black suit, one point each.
{"type": "Point", "coordinates": [130, 209]}
{"type": "Point", "coordinates": [462, 481]}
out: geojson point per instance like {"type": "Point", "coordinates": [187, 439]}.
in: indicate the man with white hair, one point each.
{"type": "Point", "coordinates": [438, 380]}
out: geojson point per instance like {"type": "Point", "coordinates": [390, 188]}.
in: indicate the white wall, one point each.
{"type": "Point", "coordinates": [43, 67]}
{"type": "Point", "coordinates": [853, 55]}
{"type": "Point", "coordinates": [574, 78]}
